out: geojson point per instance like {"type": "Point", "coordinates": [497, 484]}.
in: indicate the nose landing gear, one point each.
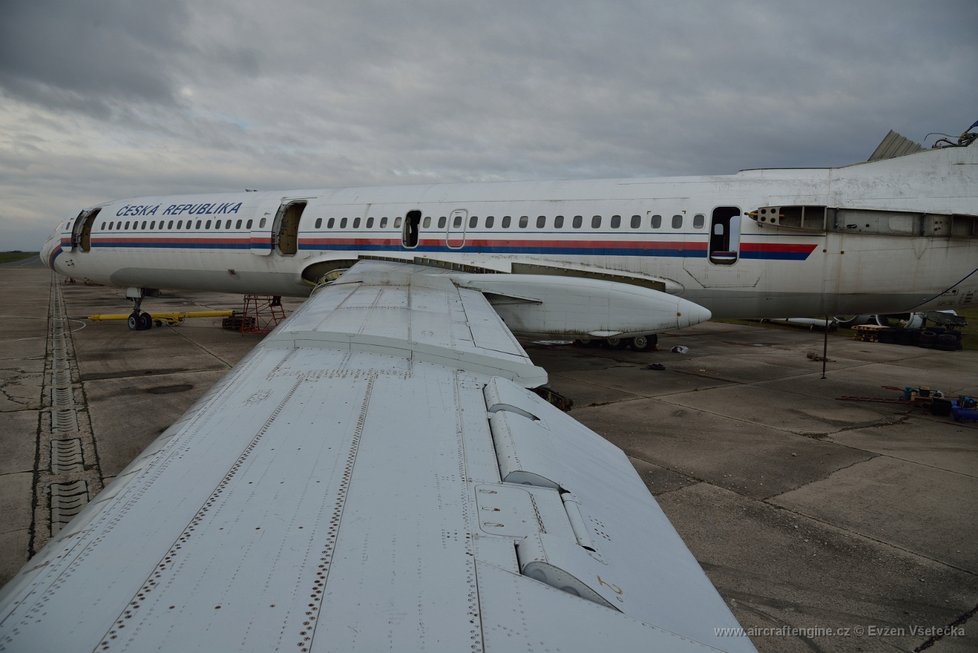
{"type": "Point", "coordinates": [138, 320]}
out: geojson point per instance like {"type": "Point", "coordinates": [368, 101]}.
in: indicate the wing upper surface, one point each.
{"type": "Point", "coordinates": [372, 477]}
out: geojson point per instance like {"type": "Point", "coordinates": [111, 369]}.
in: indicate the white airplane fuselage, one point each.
{"type": "Point", "coordinates": [701, 238]}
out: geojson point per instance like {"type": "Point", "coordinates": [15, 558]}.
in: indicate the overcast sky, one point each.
{"type": "Point", "coordinates": [106, 99]}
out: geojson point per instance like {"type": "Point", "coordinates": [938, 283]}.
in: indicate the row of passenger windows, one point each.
{"type": "Point", "coordinates": [169, 225]}
{"type": "Point", "coordinates": [507, 222]}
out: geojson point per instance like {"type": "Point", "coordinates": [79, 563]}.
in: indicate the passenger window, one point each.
{"type": "Point", "coordinates": [615, 221]}
{"type": "Point", "coordinates": [179, 224]}
{"type": "Point", "coordinates": [383, 222]}
{"type": "Point", "coordinates": [199, 222]}
{"type": "Point", "coordinates": [169, 225]}
{"type": "Point", "coordinates": [578, 221]}
{"type": "Point", "coordinates": [677, 222]}
{"type": "Point", "coordinates": [636, 221]}
{"type": "Point", "coordinates": [127, 225]}
{"type": "Point", "coordinates": [656, 221]}
{"type": "Point", "coordinates": [489, 221]}
{"type": "Point", "coordinates": [247, 226]}
{"type": "Point", "coordinates": [342, 223]}
{"type": "Point", "coordinates": [237, 224]}
{"type": "Point", "coordinates": [370, 223]}
{"type": "Point", "coordinates": [698, 220]}
{"type": "Point", "coordinates": [152, 225]}
{"type": "Point", "coordinates": [356, 223]}
{"type": "Point", "coordinates": [457, 222]}
{"type": "Point", "coordinates": [442, 221]}
{"type": "Point", "coordinates": [319, 223]}
{"type": "Point", "coordinates": [558, 222]}
{"type": "Point", "coordinates": [596, 222]}
{"type": "Point", "coordinates": [261, 223]}
{"type": "Point", "coordinates": [207, 225]}
{"type": "Point", "coordinates": [524, 221]}
{"type": "Point", "coordinates": [541, 221]}
{"type": "Point", "coordinates": [473, 221]}
{"type": "Point", "coordinates": [330, 223]}
{"type": "Point", "coordinates": [397, 223]}
{"type": "Point", "coordinates": [506, 221]}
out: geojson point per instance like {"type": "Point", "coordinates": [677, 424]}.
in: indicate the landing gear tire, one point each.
{"type": "Point", "coordinates": [644, 343]}
{"type": "Point", "coordinates": [139, 321]}
{"type": "Point", "coordinates": [616, 343]}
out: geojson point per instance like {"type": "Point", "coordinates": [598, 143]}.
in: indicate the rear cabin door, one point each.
{"type": "Point", "coordinates": [285, 228]}
{"type": "Point", "coordinates": [720, 267]}
{"type": "Point", "coordinates": [455, 230]}
{"type": "Point", "coordinates": [725, 235]}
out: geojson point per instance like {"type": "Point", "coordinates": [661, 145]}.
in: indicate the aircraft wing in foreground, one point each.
{"type": "Point", "coordinates": [373, 476]}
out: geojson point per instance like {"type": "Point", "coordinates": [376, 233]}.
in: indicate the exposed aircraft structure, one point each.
{"type": "Point", "coordinates": [375, 475]}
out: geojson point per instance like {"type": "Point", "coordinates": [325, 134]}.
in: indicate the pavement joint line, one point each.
{"type": "Point", "coordinates": [960, 621]}
{"type": "Point", "coordinates": [202, 347]}
{"type": "Point", "coordinates": [767, 501]}
{"type": "Point", "coordinates": [148, 374]}
{"type": "Point", "coordinates": [67, 472]}
{"type": "Point", "coordinates": [822, 522]}
{"type": "Point", "coordinates": [866, 536]}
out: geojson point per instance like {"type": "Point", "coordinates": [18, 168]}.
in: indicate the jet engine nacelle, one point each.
{"type": "Point", "coordinates": [542, 305]}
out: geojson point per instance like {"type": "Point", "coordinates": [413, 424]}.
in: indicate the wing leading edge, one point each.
{"type": "Point", "coordinates": [374, 475]}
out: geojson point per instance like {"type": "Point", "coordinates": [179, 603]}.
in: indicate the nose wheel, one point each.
{"type": "Point", "coordinates": [138, 320]}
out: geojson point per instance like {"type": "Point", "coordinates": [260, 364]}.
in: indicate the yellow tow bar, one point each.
{"type": "Point", "coordinates": [160, 319]}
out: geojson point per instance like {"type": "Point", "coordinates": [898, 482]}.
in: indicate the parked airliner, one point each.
{"type": "Point", "coordinates": [376, 475]}
{"type": "Point", "coordinates": [887, 236]}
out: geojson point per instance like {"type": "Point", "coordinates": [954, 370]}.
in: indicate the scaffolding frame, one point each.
{"type": "Point", "coordinates": [261, 313]}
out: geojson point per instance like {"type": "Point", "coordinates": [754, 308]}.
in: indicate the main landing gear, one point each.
{"type": "Point", "coordinates": [638, 343]}
{"type": "Point", "coordinates": [138, 320]}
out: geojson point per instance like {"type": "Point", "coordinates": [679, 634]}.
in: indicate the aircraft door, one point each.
{"type": "Point", "coordinates": [285, 228]}
{"type": "Point", "coordinates": [455, 230]}
{"type": "Point", "coordinates": [725, 235]}
{"type": "Point", "coordinates": [411, 231]}
{"type": "Point", "coordinates": [81, 231]}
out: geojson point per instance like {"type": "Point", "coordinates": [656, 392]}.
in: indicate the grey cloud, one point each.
{"type": "Point", "coordinates": [53, 52]}
{"type": "Point", "coordinates": [224, 94]}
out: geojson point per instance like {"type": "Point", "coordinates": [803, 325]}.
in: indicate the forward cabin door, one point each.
{"type": "Point", "coordinates": [81, 231]}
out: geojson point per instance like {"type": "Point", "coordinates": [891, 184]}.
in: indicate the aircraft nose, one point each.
{"type": "Point", "coordinates": [689, 313]}
{"type": "Point", "coordinates": [48, 251]}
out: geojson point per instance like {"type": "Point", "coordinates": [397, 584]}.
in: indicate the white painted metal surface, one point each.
{"type": "Point", "coordinates": [654, 230]}
{"type": "Point", "coordinates": [340, 490]}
